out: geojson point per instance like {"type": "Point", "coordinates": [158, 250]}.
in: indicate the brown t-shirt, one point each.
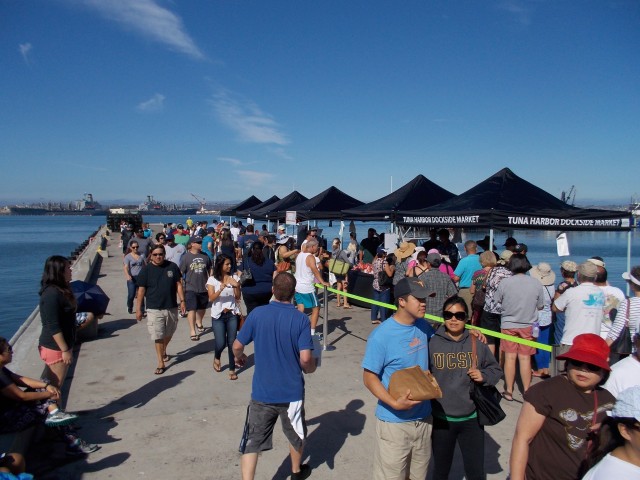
{"type": "Point", "coordinates": [561, 444]}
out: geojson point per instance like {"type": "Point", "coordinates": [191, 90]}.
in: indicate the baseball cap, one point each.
{"type": "Point", "coordinates": [589, 348]}
{"type": "Point", "coordinates": [627, 404]}
{"type": "Point", "coordinates": [170, 236]}
{"type": "Point", "coordinates": [433, 257]}
{"type": "Point", "coordinates": [196, 239]}
{"type": "Point", "coordinates": [588, 269]}
{"type": "Point", "coordinates": [510, 242]}
{"type": "Point", "coordinates": [520, 248]}
{"type": "Point", "coordinates": [282, 239]}
{"type": "Point", "coordinates": [411, 286]}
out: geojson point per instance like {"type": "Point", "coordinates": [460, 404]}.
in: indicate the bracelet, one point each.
{"type": "Point", "coordinates": [181, 301]}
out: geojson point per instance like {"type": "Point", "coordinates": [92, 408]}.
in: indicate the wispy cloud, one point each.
{"type": "Point", "coordinates": [518, 9]}
{"type": "Point", "coordinates": [246, 119]}
{"type": "Point", "coordinates": [251, 178]}
{"type": "Point", "coordinates": [25, 51]}
{"type": "Point", "coordinates": [150, 20]}
{"type": "Point", "coordinates": [233, 161]}
{"type": "Point", "coordinates": [153, 105]}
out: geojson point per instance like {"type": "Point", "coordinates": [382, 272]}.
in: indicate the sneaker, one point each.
{"type": "Point", "coordinates": [305, 471]}
{"type": "Point", "coordinates": [80, 447]}
{"type": "Point", "coordinates": [130, 310]}
{"type": "Point", "coordinates": [60, 418]}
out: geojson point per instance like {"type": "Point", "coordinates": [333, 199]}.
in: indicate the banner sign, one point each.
{"type": "Point", "coordinates": [290, 218]}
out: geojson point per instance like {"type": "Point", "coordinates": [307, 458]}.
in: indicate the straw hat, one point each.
{"type": "Point", "coordinates": [405, 250]}
{"type": "Point", "coordinates": [543, 272]}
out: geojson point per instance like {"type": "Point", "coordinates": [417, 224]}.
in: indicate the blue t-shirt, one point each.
{"type": "Point", "coordinates": [279, 332]}
{"type": "Point", "coordinates": [262, 277]}
{"type": "Point", "coordinates": [208, 239]}
{"type": "Point", "coordinates": [466, 268]}
{"type": "Point", "coordinates": [394, 346]}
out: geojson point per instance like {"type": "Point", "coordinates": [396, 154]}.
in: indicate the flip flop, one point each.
{"type": "Point", "coordinates": [507, 396]}
{"type": "Point", "coordinates": [216, 365]}
{"type": "Point", "coordinates": [166, 358]}
{"type": "Point", "coordinates": [233, 376]}
{"type": "Point", "coordinates": [348, 307]}
{"type": "Point", "coordinates": [195, 338]}
{"type": "Point", "coordinates": [159, 370]}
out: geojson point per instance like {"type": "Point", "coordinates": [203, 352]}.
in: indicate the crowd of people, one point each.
{"type": "Point", "coordinates": [260, 287]}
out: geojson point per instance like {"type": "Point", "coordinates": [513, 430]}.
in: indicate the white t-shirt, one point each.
{"type": "Point", "coordinates": [612, 298]}
{"type": "Point", "coordinates": [624, 374]}
{"type": "Point", "coordinates": [583, 311]}
{"type": "Point", "coordinates": [235, 231]}
{"type": "Point", "coordinates": [226, 300]}
{"type": "Point", "coordinates": [612, 467]}
{"type": "Point", "coordinates": [304, 275]}
{"type": "Point", "coordinates": [174, 254]}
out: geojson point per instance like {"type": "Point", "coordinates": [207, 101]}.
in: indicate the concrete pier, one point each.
{"type": "Point", "coordinates": [187, 422]}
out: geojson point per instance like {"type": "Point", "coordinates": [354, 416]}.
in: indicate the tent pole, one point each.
{"type": "Point", "coordinates": [491, 239]}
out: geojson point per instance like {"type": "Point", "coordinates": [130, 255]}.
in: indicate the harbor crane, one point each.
{"type": "Point", "coordinates": [569, 197]}
{"type": "Point", "coordinates": [201, 202]}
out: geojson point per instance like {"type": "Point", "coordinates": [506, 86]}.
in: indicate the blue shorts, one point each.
{"type": "Point", "coordinates": [309, 300]}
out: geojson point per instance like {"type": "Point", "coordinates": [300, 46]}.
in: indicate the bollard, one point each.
{"type": "Point", "coordinates": [325, 328]}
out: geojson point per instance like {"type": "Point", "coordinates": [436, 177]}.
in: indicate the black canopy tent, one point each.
{"type": "Point", "coordinates": [271, 211]}
{"type": "Point", "coordinates": [507, 201]}
{"type": "Point", "coordinates": [249, 211]}
{"type": "Point", "coordinates": [252, 201]}
{"type": "Point", "coordinates": [417, 194]}
{"type": "Point", "coordinates": [327, 205]}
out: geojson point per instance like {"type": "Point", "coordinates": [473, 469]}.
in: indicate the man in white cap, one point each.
{"type": "Point", "coordinates": [583, 306]}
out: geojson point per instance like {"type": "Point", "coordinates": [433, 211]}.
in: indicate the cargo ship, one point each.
{"type": "Point", "coordinates": [153, 207]}
{"type": "Point", "coordinates": [86, 206]}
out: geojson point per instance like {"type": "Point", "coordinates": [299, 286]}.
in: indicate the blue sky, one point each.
{"type": "Point", "coordinates": [224, 99]}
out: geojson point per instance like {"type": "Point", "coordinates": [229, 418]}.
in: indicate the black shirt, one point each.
{"type": "Point", "coordinates": [161, 283]}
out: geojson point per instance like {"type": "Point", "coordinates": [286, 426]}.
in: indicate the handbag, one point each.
{"type": "Point", "coordinates": [422, 384]}
{"type": "Point", "coordinates": [485, 397]}
{"type": "Point", "coordinates": [384, 280]}
{"type": "Point", "coordinates": [621, 347]}
{"type": "Point", "coordinates": [283, 266]}
{"type": "Point", "coordinates": [339, 267]}
{"type": "Point", "coordinates": [246, 277]}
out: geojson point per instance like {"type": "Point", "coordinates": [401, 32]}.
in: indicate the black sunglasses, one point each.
{"type": "Point", "coordinates": [588, 366]}
{"type": "Point", "coordinates": [449, 315]}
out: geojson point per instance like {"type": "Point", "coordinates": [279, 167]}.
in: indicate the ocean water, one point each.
{"type": "Point", "coordinates": [27, 241]}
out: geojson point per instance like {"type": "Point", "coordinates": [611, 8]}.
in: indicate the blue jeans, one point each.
{"type": "Point", "coordinates": [384, 297]}
{"type": "Point", "coordinates": [542, 356]}
{"type": "Point", "coordinates": [132, 290]}
{"type": "Point", "coordinates": [225, 330]}
{"type": "Point", "coordinates": [558, 328]}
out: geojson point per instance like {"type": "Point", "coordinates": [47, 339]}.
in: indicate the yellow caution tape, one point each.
{"type": "Point", "coordinates": [491, 333]}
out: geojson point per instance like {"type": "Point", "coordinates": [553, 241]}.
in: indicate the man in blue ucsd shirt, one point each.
{"type": "Point", "coordinates": [282, 353]}
{"type": "Point", "coordinates": [403, 428]}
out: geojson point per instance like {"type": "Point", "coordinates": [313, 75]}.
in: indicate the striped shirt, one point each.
{"type": "Point", "coordinates": [621, 318]}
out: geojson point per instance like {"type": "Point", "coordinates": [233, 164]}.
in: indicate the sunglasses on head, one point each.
{"type": "Point", "coordinates": [588, 366]}
{"type": "Point", "coordinates": [449, 315]}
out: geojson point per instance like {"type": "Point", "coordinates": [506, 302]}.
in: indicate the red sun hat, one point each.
{"type": "Point", "coordinates": [589, 348]}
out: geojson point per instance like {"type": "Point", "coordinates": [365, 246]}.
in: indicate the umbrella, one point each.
{"type": "Point", "coordinates": [91, 298]}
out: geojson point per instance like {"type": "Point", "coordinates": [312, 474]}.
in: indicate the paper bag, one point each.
{"type": "Point", "coordinates": [421, 383]}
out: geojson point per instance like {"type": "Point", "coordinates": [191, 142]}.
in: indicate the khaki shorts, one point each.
{"type": "Point", "coordinates": [162, 323]}
{"type": "Point", "coordinates": [402, 450]}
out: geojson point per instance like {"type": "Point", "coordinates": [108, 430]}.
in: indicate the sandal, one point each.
{"type": "Point", "coordinates": [216, 365]}
{"type": "Point", "coordinates": [232, 375]}
{"type": "Point", "coordinates": [375, 322]}
{"type": "Point", "coordinates": [160, 370]}
{"type": "Point", "coordinates": [200, 328]}
{"type": "Point", "coordinates": [195, 337]}
{"type": "Point", "coordinates": [166, 358]}
{"type": "Point", "coordinates": [507, 396]}
{"type": "Point", "coordinates": [348, 307]}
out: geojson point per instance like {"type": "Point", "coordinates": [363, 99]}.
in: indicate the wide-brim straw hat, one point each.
{"type": "Point", "coordinates": [543, 272]}
{"type": "Point", "coordinates": [405, 250]}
